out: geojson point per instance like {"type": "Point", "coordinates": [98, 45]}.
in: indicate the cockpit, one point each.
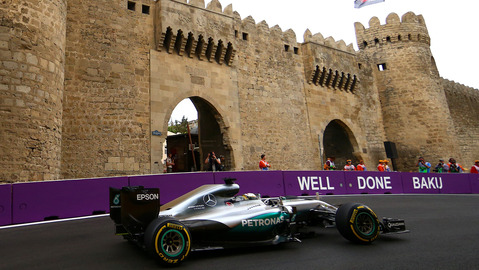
{"type": "Point", "coordinates": [247, 197]}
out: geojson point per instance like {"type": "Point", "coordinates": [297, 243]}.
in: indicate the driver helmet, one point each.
{"type": "Point", "coordinates": [250, 196]}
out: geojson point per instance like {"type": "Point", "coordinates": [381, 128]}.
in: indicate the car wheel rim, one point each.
{"type": "Point", "coordinates": [172, 243]}
{"type": "Point", "coordinates": [365, 224]}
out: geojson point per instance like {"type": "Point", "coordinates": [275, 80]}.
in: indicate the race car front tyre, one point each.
{"type": "Point", "coordinates": [357, 223]}
{"type": "Point", "coordinates": [168, 239]}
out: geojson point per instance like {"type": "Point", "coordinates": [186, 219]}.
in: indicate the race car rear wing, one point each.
{"type": "Point", "coordinates": [133, 208]}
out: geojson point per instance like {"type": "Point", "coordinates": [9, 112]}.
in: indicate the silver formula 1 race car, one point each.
{"type": "Point", "coordinates": [214, 216]}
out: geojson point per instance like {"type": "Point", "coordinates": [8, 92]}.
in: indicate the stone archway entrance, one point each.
{"type": "Point", "coordinates": [207, 136]}
{"type": "Point", "coordinates": [212, 133]}
{"type": "Point", "coordinates": [339, 142]}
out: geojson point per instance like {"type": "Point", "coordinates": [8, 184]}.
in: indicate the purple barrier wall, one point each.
{"type": "Point", "coordinates": [62, 199]}
{"type": "Point", "coordinates": [5, 205]}
{"type": "Point", "coordinates": [35, 201]}
{"type": "Point", "coordinates": [310, 182]}
{"type": "Point", "coordinates": [434, 183]}
{"type": "Point", "coordinates": [373, 182]}
{"type": "Point", "coordinates": [172, 185]}
{"type": "Point", "coordinates": [474, 178]}
{"type": "Point", "coordinates": [266, 183]}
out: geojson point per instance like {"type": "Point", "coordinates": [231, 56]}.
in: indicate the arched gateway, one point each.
{"type": "Point", "coordinates": [339, 142]}
{"type": "Point", "coordinates": [191, 150]}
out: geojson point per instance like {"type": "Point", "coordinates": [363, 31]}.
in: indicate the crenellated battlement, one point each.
{"type": "Point", "coordinates": [214, 5]}
{"type": "Point", "coordinates": [410, 28]}
{"type": "Point", "coordinates": [248, 25]}
{"type": "Point", "coordinates": [328, 42]}
{"type": "Point", "coordinates": [461, 89]}
{"type": "Point", "coordinates": [209, 32]}
{"type": "Point", "coordinates": [326, 71]}
{"type": "Point", "coordinates": [191, 29]}
{"type": "Point", "coordinates": [188, 28]}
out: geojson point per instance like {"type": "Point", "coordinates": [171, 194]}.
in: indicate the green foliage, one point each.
{"type": "Point", "coordinates": [179, 126]}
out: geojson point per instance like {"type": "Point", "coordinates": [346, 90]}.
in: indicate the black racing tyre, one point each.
{"type": "Point", "coordinates": [357, 223]}
{"type": "Point", "coordinates": [168, 239]}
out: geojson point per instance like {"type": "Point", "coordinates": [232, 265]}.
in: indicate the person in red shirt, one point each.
{"type": "Point", "coordinates": [263, 164]}
{"type": "Point", "coordinates": [381, 166]}
{"type": "Point", "coordinates": [475, 167]}
{"type": "Point", "coordinates": [361, 166]}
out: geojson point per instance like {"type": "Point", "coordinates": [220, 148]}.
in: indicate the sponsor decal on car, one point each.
{"type": "Point", "coordinates": [116, 200]}
{"type": "Point", "coordinates": [353, 216]}
{"type": "Point", "coordinates": [196, 207]}
{"type": "Point", "coordinates": [396, 224]}
{"type": "Point", "coordinates": [147, 197]}
{"type": "Point", "coordinates": [263, 220]}
{"type": "Point", "coordinates": [175, 226]}
{"type": "Point", "coordinates": [210, 200]}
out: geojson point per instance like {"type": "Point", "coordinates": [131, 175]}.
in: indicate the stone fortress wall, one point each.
{"type": "Point", "coordinates": [463, 104]}
{"type": "Point", "coordinates": [107, 89]}
{"type": "Point", "coordinates": [410, 89]}
{"type": "Point", "coordinates": [109, 73]}
{"type": "Point", "coordinates": [32, 72]}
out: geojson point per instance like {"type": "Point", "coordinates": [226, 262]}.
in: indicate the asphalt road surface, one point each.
{"type": "Point", "coordinates": [444, 235]}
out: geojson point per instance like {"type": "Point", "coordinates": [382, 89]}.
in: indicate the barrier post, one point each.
{"type": "Point", "coordinates": [5, 204]}
{"type": "Point", "coordinates": [474, 179]}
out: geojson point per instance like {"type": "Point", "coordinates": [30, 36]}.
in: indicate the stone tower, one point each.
{"type": "Point", "coordinates": [32, 54]}
{"type": "Point", "coordinates": [106, 100]}
{"type": "Point", "coordinates": [414, 105]}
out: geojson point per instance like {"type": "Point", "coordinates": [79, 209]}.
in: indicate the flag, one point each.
{"type": "Point", "coordinates": [363, 3]}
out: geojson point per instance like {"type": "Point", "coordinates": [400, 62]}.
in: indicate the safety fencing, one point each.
{"type": "Point", "coordinates": [39, 201]}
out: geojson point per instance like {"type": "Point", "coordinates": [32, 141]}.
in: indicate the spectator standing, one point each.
{"type": "Point", "coordinates": [349, 166]}
{"type": "Point", "coordinates": [222, 163]}
{"type": "Point", "coordinates": [263, 164]}
{"type": "Point", "coordinates": [169, 162]}
{"type": "Point", "coordinates": [386, 166]}
{"type": "Point", "coordinates": [424, 167]}
{"type": "Point", "coordinates": [475, 167]}
{"type": "Point", "coordinates": [454, 167]}
{"type": "Point", "coordinates": [441, 167]}
{"type": "Point", "coordinates": [361, 166]}
{"type": "Point", "coordinates": [329, 165]}
{"type": "Point", "coordinates": [381, 167]}
{"type": "Point", "coordinates": [213, 162]}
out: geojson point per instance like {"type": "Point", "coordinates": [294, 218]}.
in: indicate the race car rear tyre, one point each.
{"type": "Point", "coordinates": [168, 239]}
{"type": "Point", "coordinates": [357, 223]}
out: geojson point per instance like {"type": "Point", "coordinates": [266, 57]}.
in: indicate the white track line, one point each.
{"type": "Point", "coordinates": [51, 221]}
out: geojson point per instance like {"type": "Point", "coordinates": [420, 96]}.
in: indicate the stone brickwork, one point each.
{"type": "Point", "coordinates": [274, 115]}
{"type": "Point", "coordinates": [463, 104]}
{"type": "Point", "coordinates": [333, 71]}
{"type": "Point", "coordinates": [107, 89]}
{"type": "Point", "coordinates": [32, 59]}
{"type": "Point", "coordinates": [87, 89]}
{"type": "Point", "coordinates": [410, 91]}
